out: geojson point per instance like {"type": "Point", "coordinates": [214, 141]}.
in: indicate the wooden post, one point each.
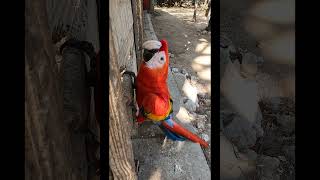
{"type": "Point", "coordinates": [120, 147]}
{"type": "Point", "coordinates": [47, 141]}
{"type": "Point", "coordinates": [208, 13]}
{"type": "Point", "coordinates": [140, 5]}
{"type": "Point", "coordinates": [151, 5]}
{"type": "Point", "coordinates": [195, 10]}
{"type": "Point", "coordinates": [138, 29]}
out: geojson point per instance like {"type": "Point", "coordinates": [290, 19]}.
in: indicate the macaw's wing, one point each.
{"type": "Point", "coordinates": [155, 107]}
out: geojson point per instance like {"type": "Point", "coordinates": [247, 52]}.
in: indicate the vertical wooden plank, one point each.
{"type": "Point", "coordinates": [195, 10]}
{"type": "Point", "coordinates": [120, 147]}
{"type": "Point", "coordinates": [140, 8]}
{"type": "Point", "coordinates": [122, 21]}
{"type": "Point", "coordinates": [138, 29]}
{"type": "Point", "coordinates": [47, 139]}
{"type": "Point", "coordinates": [151, 5]}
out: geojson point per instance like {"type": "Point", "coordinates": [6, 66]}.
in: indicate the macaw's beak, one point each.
{"type": "Point", "coordinates": [148, 54]}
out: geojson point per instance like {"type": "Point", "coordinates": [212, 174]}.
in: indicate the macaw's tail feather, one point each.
{"type": "Point", "coordinates": [171, 135]}
{"type": "Point", "coordinates": [178, 130]}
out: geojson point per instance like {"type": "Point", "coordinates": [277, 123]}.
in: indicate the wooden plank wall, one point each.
{"type": "Point", "coordinates": [47, 139]}
{"type": "Point", "coordinates": [73, 18]}
{"type": "Point", "coordinates": [137, 9]}
{"type": "Point", "coordinates": [125, 41]}
{"type": "Point", "coordinates": [123, 33]}
{"type": "Point", "coordinates": [120, 147]}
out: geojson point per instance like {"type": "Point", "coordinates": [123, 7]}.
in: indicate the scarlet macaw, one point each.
{"type": "Point", "coordinates": [153, 96]}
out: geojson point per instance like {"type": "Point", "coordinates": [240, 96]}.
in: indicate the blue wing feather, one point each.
{"type": "Point", "coordinates": [171, 135]}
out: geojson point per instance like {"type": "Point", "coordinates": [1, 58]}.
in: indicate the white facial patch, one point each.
{"type": "Point", "coordinates": [157, 61]}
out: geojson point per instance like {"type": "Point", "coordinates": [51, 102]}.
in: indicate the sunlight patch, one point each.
{"type": "Point", "coordinates": [203, 60]}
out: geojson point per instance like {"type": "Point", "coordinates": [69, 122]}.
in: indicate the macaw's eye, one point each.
{"type": "Point", "coordinates": [161, 58]}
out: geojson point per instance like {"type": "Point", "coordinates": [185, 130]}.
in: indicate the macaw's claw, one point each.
{"type": "Point", "coordinates": [140, 119]}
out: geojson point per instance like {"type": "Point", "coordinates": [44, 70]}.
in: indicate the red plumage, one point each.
{"type": "Point", "coordinates": [152, 89]}
{"type": "Point", "coordinates": [154, 98]}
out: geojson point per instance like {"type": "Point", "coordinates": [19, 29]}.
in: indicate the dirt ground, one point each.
{"type": "Point", "coordinates": [190, 48]}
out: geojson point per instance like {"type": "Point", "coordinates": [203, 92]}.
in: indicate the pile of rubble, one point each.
{"type": "Point", "coordinates": [257, 138]}
{"type": "Point", "coordinates": [197, 105]}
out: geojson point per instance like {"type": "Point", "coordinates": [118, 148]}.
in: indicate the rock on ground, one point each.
{"type": "Point", "coordinates": [191, 106]}
{"type": "Point", "coordinates": [240, 131]}
{"type": "Point", "coordinates": [175, 70]}
{"type": "Point", "coordinates": [267, 168]}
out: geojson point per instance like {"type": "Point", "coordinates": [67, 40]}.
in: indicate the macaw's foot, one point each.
{"type": "Point", "coordinates": [140, 119]}
{"type": "Point", "coordinates": [137, 109]}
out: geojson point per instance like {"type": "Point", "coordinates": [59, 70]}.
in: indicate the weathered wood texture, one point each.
{"type": "Point", "coordinates": [137, 11]}
{"type": "Point", "coordinates": [122, 31]}
{"type": "Point", "coordinates": [68, 18]}
{"type": "Point", "coordinates": [152, 5]}
{"type": "Point", "coordinates": [73, 18]}
{"type": "Point", "coordinates": [120, 147]}
{"type": "Point", "coordinates": [195, 10]}
{"type": "Point", "coordinates": [47, 140]}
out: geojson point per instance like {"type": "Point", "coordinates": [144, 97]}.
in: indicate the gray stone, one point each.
{"type": "Point", "coordinates": [250, 155]}
{"type": "Point", "coordinates": [232, 168]}
{"type": "Point", "coordinates": [267, 168]}
{"type": "Point", "coordinates": [201, 117]}
{"type": "Point", "coordinates": [282, 158]}
{"type": "Point", "coordinates": [260, 60]}
{"type": "Point", "coordinates": [205, 137]}
{"type": "Point", "coordinates": [225, 41]}
{"type": "Point", "coordinates": [289, 152]}
{"type": "Point", "coordinates": [224, 56]}
{"type": "Point", "coordinates": [166, 159]}
{"type": "Point", "coordinates": [171, 55]}
{"type": "Point", "coordinates": [224, 60]}
{"type": "Point", "coordinates": [207, 102]}
{"type": "Point", "coordinates": [175, 70]}
{"type": "Point", "coordinates": [208, 113]}
{"type": "Point", "coordinates": [180, 79]}
{"type": "Point", "coordinates": [240, 130]}
{"type": "Point", "coordinates": [184, 99]}
{"type": "Point", "coordinates": [202, 95]}
{"type": "Point", "coordinates": [191, 106]}
{"type": "Point", "coordinates": [232, 49]}
{"type": "Point", "coordinates": [183, 71]}
{"type": "Point", "coordinates": [249, 66]}
{"type": "Point", "coordinates": [190, 91]}
{"type": "Point", "coordinates": [200, 124]}
{"type": "Point", "coordinates": [241, 133]}
{"type": "Point", "coordinates": [188, 76]}
{"type": "Point", "coordinates": [194, 78]}
{"type": "Point", "coordinates": [287, 123]}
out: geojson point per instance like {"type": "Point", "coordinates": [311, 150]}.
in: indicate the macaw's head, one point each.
{"type": "Point", "coordinates": [155, 55]}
